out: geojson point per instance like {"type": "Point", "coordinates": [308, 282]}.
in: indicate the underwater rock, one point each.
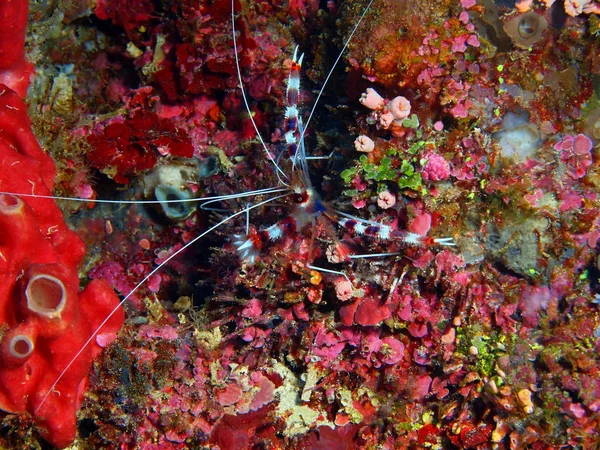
{"type": "Point", "coordinates": [518, 139]}
{"type": "Point", "coordinates": [178, 180]}
{"type": "Point", "coordinates": [516, 245]}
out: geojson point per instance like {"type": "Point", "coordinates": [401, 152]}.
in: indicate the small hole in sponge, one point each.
{"type": "Point", "coordinates": [45, 295]}
{"type": "Point", "coordinates": [21, 346]}
{"type": "Point", "coordinates": [9, 200]}
{"type": "Point", "coordinates": [10, 204]}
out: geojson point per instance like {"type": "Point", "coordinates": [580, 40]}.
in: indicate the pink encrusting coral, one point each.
{"type": "Point", "coordinates": [356, 324]}
{"type": "Point", "coordinates": [575, 152]}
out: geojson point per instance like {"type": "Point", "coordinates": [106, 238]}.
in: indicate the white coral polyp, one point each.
{"type": "Point", "coordinates": [575, 7]}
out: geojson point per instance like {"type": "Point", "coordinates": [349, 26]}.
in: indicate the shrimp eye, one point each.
{"type": "Point", "coordinates": [301, 197]}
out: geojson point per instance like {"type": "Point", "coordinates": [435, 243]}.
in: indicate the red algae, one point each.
{"type": "Point", "coordinates": [477, 121]}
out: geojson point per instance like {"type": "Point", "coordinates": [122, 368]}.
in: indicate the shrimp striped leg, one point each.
{"type": "Point", "coordinates": [249, 246]}
{"type": "Point", "coordinates": [292, 97]}
{"type": "Point", "coordinates": [293, 127]}
{"type": "Point", "coordinates": [384, 232]}
{"type": "Point", "coordinates": [51, 390]}
{"type": "Point", "coordinates": [308, 206]}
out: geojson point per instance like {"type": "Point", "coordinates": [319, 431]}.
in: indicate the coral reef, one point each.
{"type": "Point", "coordinates": [467, 121]}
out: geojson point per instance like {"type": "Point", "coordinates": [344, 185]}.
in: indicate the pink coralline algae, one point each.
{"type": "Point", "coordinates": [229, 395]}
{"type": "Point", "coordinates": [370, 312]}
{"type": "Point", "coordinates": [575, 152]}
{"type": "Point", "coordinates": [366, 311]}
{"type": "Point", "coordinates": [393, 350]}
{"type": "Point", "coordinates": [436, 168]}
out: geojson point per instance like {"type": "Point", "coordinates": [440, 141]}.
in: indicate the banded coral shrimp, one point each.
{"type": "Point", "coordinates": [305, 208]}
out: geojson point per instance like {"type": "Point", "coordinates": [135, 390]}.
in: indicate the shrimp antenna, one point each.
{"type": "Point", "coordinates": [278, 170]}
{"type": "Point", "coordinates": [312, 111]}
{"type": "Point", "coordinates": [215, 198]}
{"type": "Point", "coordinates": [141, 283]}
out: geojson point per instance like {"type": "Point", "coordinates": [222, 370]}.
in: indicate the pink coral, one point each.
{"type": "Point", "coordinates": [576, 7]}
{"type": "Point", "coordinates": [343, 290]}
{"type": "Point", "coordinates": [338, 252]}
{"type": "Point", "coordinates": [523, 5]}
{"type": "Point", "coordinates": [386, 199]}
{"type": "Point", "coordinates": [400, 108]}
{"type": "Point", "coordinates": [364, 144]}
{"type": "Point", "coordinates": [371, 99]}
{"type": "Point", "coordinates": [386, 119]}
{"type": "Point", "coordinates": [591, 8]}
{"type": "Point", "coordinates": [575, 152]}
{"type": "Point", "coordinates": [436, 168]}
